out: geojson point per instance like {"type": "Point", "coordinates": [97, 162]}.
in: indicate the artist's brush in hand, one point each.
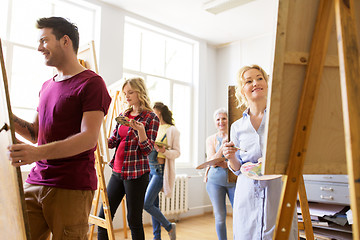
{"type": "Point", "coordinates": [239, 149]}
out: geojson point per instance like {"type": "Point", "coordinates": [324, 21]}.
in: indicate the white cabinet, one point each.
{"type": "Point", "coordinates": [327, 188]}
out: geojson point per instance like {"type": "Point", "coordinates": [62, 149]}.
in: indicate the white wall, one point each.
{"type": "Point", "coordinates": [258, 50]}
{"type": "Point", "coordinates": [230, 58]}
{"type": "Point", "coordinates": [212, 95]}
{"type": "Point", "coordinates": [109, 48]}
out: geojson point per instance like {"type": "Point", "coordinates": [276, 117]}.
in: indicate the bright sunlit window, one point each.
{"type": "Point", "coordinates": [166, 62]}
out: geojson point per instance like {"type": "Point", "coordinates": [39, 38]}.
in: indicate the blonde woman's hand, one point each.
{"type": "Point", "coordinates": [229, 150]}
{"type": "Point", "coordinates": [229, 153]}
{"type": "Point", "coordinates": [138, 126]}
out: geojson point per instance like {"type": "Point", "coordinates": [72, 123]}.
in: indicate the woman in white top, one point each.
{"type": "Point", "coordinates": [162, 169]}
{"type": "Point", "coordinates": [255, 202]}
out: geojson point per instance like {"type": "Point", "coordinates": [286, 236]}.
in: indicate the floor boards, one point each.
{"type": "Point", "coordinates": [193, 228]}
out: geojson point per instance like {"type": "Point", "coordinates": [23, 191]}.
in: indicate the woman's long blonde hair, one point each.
{"type": "Point", "coordinates": [241, 99]}
{"type": "Point", "coordinates": [138, 85]}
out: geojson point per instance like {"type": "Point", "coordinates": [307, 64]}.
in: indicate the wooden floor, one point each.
{"type": "Point", "coordinates": [192, 228]}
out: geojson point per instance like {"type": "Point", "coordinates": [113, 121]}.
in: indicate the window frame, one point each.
{"type": "Point", "coordinates": [191, 84]}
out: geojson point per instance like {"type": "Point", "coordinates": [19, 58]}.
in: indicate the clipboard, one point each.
{"type": "Point", "coordinates": [161, 144]}
{"type": "Point", "coordinates": [210, 163]}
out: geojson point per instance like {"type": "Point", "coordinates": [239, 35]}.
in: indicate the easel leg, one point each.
{"type": "Point", "coordinates": [95, 210]}
{"type": "Point", "coordinates": [124, 218]}
{"type": "Point", "coordinates": [309, 233]}
{"type": "Point", "coordinates": [350, 86]}
{"type": "Point", "coordinates": [305, 114]}
{"type": "Point", "coordinates": [107, 222]}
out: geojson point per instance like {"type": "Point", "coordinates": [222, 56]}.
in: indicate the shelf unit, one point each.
{"type": "Point", "coordinates": [329, 189]}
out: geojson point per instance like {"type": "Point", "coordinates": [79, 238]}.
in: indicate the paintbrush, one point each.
{"type": "Point", "coordinates": [239, 149]}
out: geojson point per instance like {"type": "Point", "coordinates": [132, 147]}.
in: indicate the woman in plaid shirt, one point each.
{"type": "Point", "coordinates": [133, 142]}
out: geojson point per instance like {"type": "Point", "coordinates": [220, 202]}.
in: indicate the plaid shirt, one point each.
{"type": "Point", "coordinates": [136, 162]}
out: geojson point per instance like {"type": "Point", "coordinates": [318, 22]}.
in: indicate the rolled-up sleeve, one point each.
{"type": "Point", "coordinates": [113, 141]}
{"type": "Point", "coordinates": [151, 133]}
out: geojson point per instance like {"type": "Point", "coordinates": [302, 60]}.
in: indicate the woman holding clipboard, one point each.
{"type": "Point", "coordinates": [162, 170]}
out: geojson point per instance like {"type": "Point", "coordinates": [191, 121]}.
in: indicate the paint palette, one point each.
{"type": "Point", "coordinates": [123, 120]}
{"type": "Point", "coordinates": [253, 171]}
{"type": "Point", "coordinates": [210, 163]}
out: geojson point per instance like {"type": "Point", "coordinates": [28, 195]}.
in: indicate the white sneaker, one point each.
{"type": "Point", "coordinates": [172, 233]}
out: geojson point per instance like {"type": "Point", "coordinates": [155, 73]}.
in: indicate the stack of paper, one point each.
{"type": "Point", "coordinates": [330, 221]}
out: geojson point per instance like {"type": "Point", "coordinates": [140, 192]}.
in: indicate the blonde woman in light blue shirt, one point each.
{"type": "Point", "coordinates": [255, 202]}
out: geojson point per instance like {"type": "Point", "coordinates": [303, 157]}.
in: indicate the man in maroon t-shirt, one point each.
{"type": "Point", "coordinates": [72, 105]}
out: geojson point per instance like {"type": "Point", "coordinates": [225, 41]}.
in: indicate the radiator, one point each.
{"type": "Point", "coordinates": [178, 202]}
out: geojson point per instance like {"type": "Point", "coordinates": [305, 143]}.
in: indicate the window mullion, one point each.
{"type": "Point", "coordinates": [8, 61]}
{"type": "Point", "coordinates": [9, 17]}
{"type": "Point", "coordinates": [165, 62]}
{"type": "Point", "coordinates": [141, 44]}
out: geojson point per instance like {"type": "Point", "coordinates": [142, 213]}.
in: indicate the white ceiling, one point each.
{"type": "Point", "coordinates": [251, 19]}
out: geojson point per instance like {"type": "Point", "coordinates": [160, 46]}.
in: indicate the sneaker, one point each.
{"type": "Point", "coordinates": [172, 233]}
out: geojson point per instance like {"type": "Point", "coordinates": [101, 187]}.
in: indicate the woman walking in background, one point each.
{"type": "Point", "coordinates": [134, 140]}
{"type": "Point", "coordinates": [162, 170]}
{"type": "Point", "coordinates": [256, 201]}
{"type": "Point", "coordinates": [217, 180]}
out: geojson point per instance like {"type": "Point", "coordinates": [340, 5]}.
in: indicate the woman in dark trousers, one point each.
{"type": "Point", "coordinates": [133, 140]}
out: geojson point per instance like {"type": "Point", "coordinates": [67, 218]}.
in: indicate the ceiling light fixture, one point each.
{"type": "Point", "coordinates": [218, 6]}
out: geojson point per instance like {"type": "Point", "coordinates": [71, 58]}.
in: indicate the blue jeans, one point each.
{"type": "Point", "coordinates": [135, 192]}
{"type": "Point", "coordinates": [217, 194]}
{"type": "Point", "coordinates": [151, 204]}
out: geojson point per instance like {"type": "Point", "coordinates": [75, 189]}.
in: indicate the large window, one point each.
{"type": "Point", "coordinates": [25, 66]}
{"type": "Point", "coordinates": [166, 62]}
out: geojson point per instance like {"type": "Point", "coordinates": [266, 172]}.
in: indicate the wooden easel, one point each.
{"type": "Point", "coordinates": [114, 110]}
{"type": "Point", "coordinates": [349, 74]}
{"type": "Point", "coordinates": [87, 58]}
{"type": "Point", "coordinates": [12, 200]}
{"type": "Point", "coordinates": [93, 218]}
{"type": "Point", "coordinates": [306, 225]}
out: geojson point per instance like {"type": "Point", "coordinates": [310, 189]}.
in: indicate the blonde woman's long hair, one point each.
{"type": "Point", "coordinates": [138, 85]}
{"type": "Point", "coordinates": [240, 97]}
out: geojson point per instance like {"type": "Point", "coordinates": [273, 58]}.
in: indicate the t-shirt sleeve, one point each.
{"type": "Point", "coordinates": [95, 96]}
